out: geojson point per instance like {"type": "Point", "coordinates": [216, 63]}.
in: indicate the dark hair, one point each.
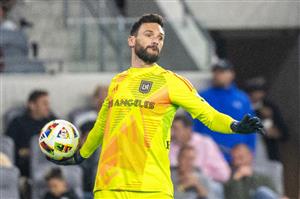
{"type": "Point", "coordinates": [148, 18]}
{"type": "Point", "coordinates": [54, 173]}
{"type": "Point", "coordinates": [184, 119]}
{"type": "Point", "coordinates": [36, 94]}
{"type": "Point", "coordinates": [241, 145]}
{"type": "Point", "coordinates": [256, 84]}
{"type": "Point", "coordinates": [223, 64]}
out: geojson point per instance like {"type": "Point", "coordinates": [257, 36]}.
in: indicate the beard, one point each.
{"type": "Point", "coordinates": [142, 53]}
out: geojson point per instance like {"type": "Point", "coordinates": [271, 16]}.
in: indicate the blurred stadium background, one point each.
{"type": "Point", "coordinates": [67, 47]}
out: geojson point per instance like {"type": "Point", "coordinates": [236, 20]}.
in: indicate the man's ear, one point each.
{"type": "Point", "coordinates": [233, 74]}
{"type": "Point", "coordinates": [30, 105]}
{"type": "Point", "coordinates": [131, 41]}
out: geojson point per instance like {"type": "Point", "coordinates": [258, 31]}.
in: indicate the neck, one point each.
{"type": "Point", "coordinates": [35, 116]}
{"type": "Point", "coordinates": [183, 171]}
{"type": "Point", "coordinates": [136, 62]}
{"type": "Point", "coordinates": [185, 140]}
{"type": "Point", "coordinates": [224, 86]}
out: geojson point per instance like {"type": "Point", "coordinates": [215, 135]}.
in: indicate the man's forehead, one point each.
{"type": "Point", "coordinates": [241, 149]}
{"type": "Point", "coordinates": [154, 27]}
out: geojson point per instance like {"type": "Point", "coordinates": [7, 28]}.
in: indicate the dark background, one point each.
{"type": "Point", "coordinates": [273, 54]}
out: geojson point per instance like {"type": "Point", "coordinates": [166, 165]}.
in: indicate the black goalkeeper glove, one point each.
{"type": "Point", "coordinates": [75, 159]}
{"type": "Point", "coordinates": [248, 125]}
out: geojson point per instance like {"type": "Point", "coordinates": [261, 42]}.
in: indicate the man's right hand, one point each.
{"type": "Point", "coordinates": [243, 171]}
{"type": "Point", "coordinates": [74, 160]}
{"type": "Point", "coordinates": [24, 152]}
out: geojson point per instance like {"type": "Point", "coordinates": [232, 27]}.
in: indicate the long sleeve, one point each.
{"type": "Point", "coordinates": [235, 189]}
{"type": "Point", "coordinates": [12, 129]}
{"type": "Point", "coordinates": [215, 164]}
{"type": "Point", "coordinates": [95, 137]}
{"type": "Point", "coordinates": [173, 154]}
{"type": "Point", "coordinates": [215, 121]}
{"type": "Point", "coordinates": [183, 94]}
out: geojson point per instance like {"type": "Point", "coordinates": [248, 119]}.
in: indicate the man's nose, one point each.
{"type": "Point", "coordinates": [155, 41]}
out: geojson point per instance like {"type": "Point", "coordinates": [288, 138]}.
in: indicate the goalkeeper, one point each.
{"type": "Point", "coordinates": [133, 125]}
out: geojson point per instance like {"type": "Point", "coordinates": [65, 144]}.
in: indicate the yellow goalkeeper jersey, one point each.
{"type": "Point", "coordinates": [134, 124]}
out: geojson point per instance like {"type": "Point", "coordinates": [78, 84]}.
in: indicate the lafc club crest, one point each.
{"type": "Point", "coordinates": [145, 86]}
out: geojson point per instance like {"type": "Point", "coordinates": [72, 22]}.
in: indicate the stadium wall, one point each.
{"type": "Point", "coordinates": [247, 14]}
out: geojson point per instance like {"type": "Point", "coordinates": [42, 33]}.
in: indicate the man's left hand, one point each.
{"type": "Point", "coordinates": [248, 125]}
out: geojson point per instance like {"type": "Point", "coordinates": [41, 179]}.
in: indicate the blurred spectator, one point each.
{"type": "Point", "coordinates": [57, 186]}
{"type": "Point", "coordinates": [89, 113]}
{"type": "Point", "coordinates": [245, 182]}
{"type": "Point", "coordinates": [14, 46]}
{"type": "Point", "coordinates": [9, 183]}
{"type": "Point", "coordinates": [274, 124]}
{"type": "Point", "coordinates": [188, 182]}
{"type": "Point", "coordinates": [5, 161]}
{"type": "Point", "coordinates": [89, 166]}
{"type": "Point", "coordinates": [226, 98]}
{"type": "Point", "coordinates": [209, 160]}
{"type": "Point", "coordinates": [22, 128]}
{"type": "Point", "coordinates": [5, 23]}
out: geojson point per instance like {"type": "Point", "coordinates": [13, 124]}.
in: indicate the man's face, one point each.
{"type": "Point", "coordinates": [57, 186]}
{"type": "Point", "coordinates": [241, 156]}
{"type": "Point", "coordinates": [99, 97]}
{"type": "Point", "coordinates": [148, 42]}
{"type": "Point", "coordinates": [257, 95]}
{"type": "Point", "coordinates": [41, 107]}
{"type": "Point", "coordinates": [222, 78]}
{"type": "Point", "coordinates": [180, 132]}
{"type": "Point", "coordinates": [186, 159]}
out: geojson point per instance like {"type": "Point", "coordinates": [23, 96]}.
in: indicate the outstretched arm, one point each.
{"type": "Point", "coordinates": [182, 93]}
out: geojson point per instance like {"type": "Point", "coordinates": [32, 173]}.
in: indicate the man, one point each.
{"type": "Point", "coordinates": [226, 98]}
{"type": "Point", "coordinates": [134, 123]}
{"type": "Point", "coordinates": [245, 183]}
{"type": "Point", "coordinates": [22, 128]}
{"type": "Point", "coordinates": [189, 183]}
{"type": "Point", "coordinates": [209, 158]}
{"type": "Point", "coordinates": [5, 8]}
{"type": "Point", "coordinates": [57, 186]}
{"type": "Point", "coordinates": [275, 126]}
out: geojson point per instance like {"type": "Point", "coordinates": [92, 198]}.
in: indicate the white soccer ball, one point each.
{"type": "Point", "coordinates": [59, 139]}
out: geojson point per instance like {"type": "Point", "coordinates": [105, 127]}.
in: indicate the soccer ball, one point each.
{"type": "Point", "coordinates": [59, 139]}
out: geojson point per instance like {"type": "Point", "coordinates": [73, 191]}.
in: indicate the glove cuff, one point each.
{"type": "Point", "coordinates": [234, 126]}
{"type": "Point", "coordinates": [78, 158]}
